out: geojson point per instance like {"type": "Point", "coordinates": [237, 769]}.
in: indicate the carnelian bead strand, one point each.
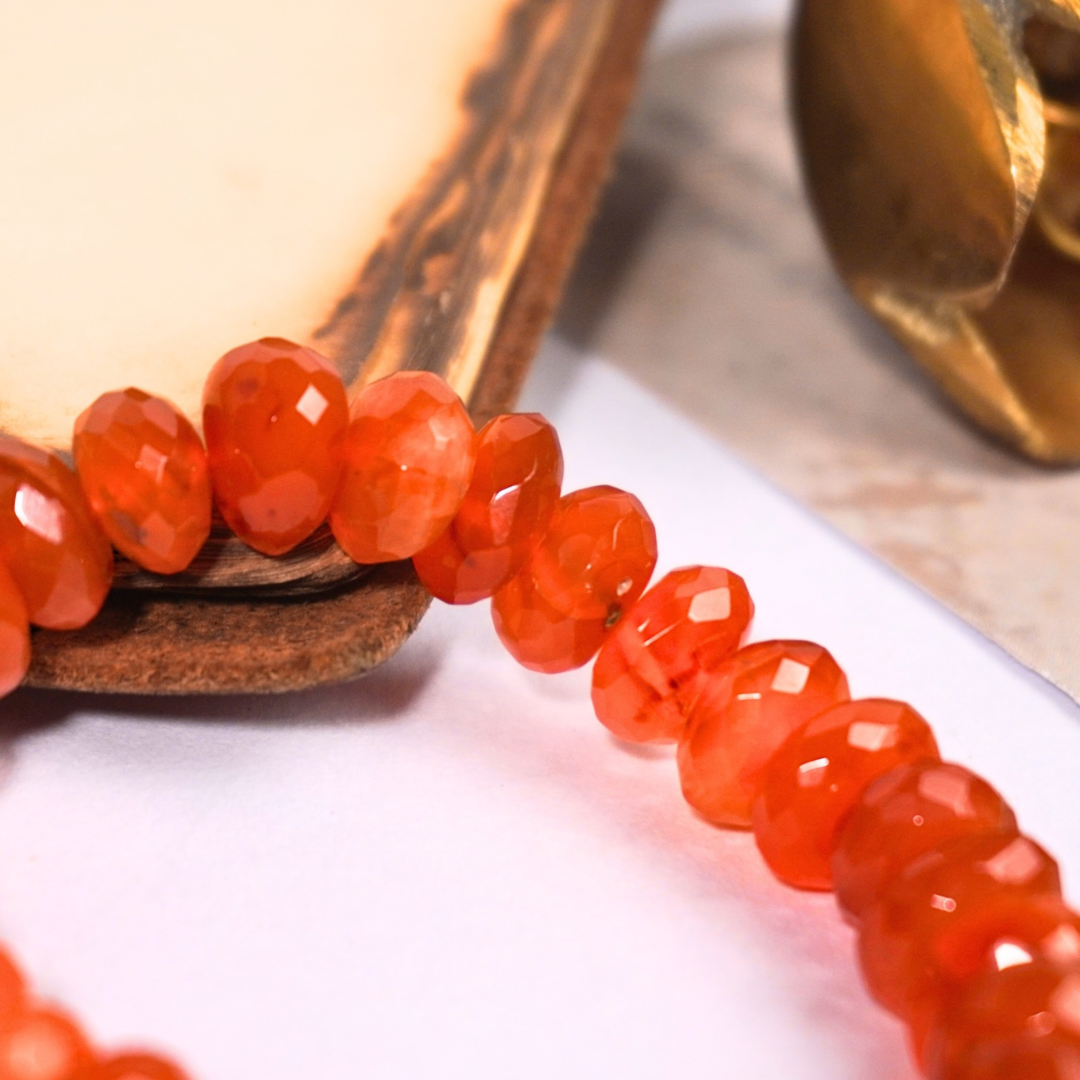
{"type": "Point", "coordinates": [903, 814]}
{"type": "Point", "coordinates": [811, 783]}
{"type": "Point", "coordinates": [49, 541]}
{"type": "Point", "coordinates": [926, 853]}
{"type": "Point", "coordinates": [746, 709]}
{"type": "Point", "coordinates": [514, 490]}
{"type": "Point", "coordinates": [649, 672]}
{"type": "Point", "coordinates": [409, 451]}
{"type": "Point", "coordinates": [144, 472]}
{"type": "Point", "coordinates": [274, 415]}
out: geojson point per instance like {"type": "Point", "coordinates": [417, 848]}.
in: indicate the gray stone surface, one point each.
{"type": "Point", "coordinates": [705, 279]}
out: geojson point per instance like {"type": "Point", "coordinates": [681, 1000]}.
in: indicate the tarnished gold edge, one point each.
{"type": "Point", "coordinates": [1016, 99]}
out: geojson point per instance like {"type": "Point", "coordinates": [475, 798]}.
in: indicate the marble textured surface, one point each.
{"type": "Point", "coordinates": [706, 280]}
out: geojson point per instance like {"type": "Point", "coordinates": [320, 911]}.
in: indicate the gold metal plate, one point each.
{"type": "Point", "coordinates": [941, 147]}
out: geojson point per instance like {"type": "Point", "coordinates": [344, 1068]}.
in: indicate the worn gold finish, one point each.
{"type": "Point", "coordinates": [941, 145]}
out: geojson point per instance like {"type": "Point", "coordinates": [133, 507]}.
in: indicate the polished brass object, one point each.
{"type": "Point", "coordinates": [941, 147]}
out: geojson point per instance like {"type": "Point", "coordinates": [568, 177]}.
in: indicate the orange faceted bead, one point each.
{"type": "Point", "coordinates": [597, 556]}
{"type": "Point", "coordinates": [49, 541]}
{"type": "Point", "coordinates": [813, 780]}
{"type": "Point", "coordinates": [132, 1067]}
{"type": "Point", "coordinates": [14, 635]}
{"type": "Point", "coordinates": [746, 709]}
{"type": "Point", "coordinates": [42, 1044]}
{"type": "Point", "coordinates": [1003, 931]}
{"type": "Point", "coordinates": [511, 497]}
{"type": "Point", "coordinates": [648, 672]}
{"type": "Point", "coordinates": [593, 563]}
{"type": "Point", "coordinates": [143, 469]}
{"type": "Point", "coordinates": [409, 452]}
{"type": "Point", "coordinates": [538, 636]}
{"type": "Point", "coordinates": [1020, 1023]}
{"type": "Point", "coordinates": [898, 935]}
{"type": "Point", "coordinates": [274, 415]}
{"type": "Point", "coordinates": [903, 814]}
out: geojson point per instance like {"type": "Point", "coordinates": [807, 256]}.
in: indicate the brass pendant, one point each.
{"type": "Point", "coordinates": [941, 146]}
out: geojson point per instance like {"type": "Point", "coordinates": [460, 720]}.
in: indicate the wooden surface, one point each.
{"type": "Point", "coordinates": [462, 282]}
{"type": "Point", "coordinates": [706, 280]}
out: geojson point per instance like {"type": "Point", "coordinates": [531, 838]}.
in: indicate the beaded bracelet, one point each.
{"type": "Point", "coordinates": [963, 932]}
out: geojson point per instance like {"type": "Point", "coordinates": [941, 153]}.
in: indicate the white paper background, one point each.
{"type": "Point", "coordinates": [450, 870]}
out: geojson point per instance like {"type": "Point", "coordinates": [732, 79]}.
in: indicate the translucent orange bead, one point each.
{"type": "Point", "coordinates": [538, 636]}
{"type": "Point", "coordinates": [49, 541]}
{"type": "Point", "coordinates": [143, 469]}
{"type": "Point", "coordinates": [1056, 1057]}
{"type": "Point", "coordinates": [592, 564]}
{"type": "Point", "coordinates": [274, 415]}
{"type": "Point", "coordinates": [42, 1044]}
{"type": "Point", "coordinates": [903, 814]}
{"type": "Point", "coordinates": [409, 452]}
{"type": "Point", "coordinates": [512, 495]}
{"type": "Point", "coordinates": [942, 887]}
{"type": "Point", "coordinates": [1004, 931]}
{"type": "Point", "coordinates": [1020, 1023]}
{"type": "Point", "coordinates": [597, 556]}
{"type": "Point", "coordinates": [132, 1067]}
{"type": "Point", "coordinates": [14, 634]}
{"type": "Point", "coordinates": [746, 709]}
{"type": "Point", "coordinates": [12, 992]}
{"type": "Point", "coordinates": [813, 780]}
{"type": "Point", "coordinates": [648, 672]}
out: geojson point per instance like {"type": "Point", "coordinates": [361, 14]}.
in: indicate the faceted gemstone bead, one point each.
{"type": "Point", "coordinates": [538, 636]}
{"type": "Point", "coordinates": [274, 415]}
{"type": "Point", "coordinates": [42, 1044]}
{"type": "Point", "coordinates": [1004, 931]}
{"type": "Point", "coordinates": [903, 814]}
{"type": "Point", "coordinates": [14, 634]}
{"type": "Point", "coordinates": [58, 557]}
{"type": "Point", "coordinates": [1020, 1023]}
{"type": "Point", "coordinates": [409, 452]}
{"type": "Point", "coordinates": [649, 671]}
{"type": "Point", "coordinates": [132, 1067]}
{"type": "Point", "coordinates": [593, 563]}
{"type": "Point", "coordinates": [506, 511]}
{"type": "Point", "coordinates": [813, 780]}
{"type": "Point", "coordinates": [897, 939]}
{"type": "Point", "coordinates": [597, 556]}
{"type": "Point", "coordinates": [143, 469]}
{"type": "Point", "coordinates": [746, 709]}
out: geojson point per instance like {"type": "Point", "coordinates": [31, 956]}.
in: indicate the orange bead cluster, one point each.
{"type": "Point", "coordinates": [39, 1042]}
{"type": "Point", "coordinates": [963, 932]}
